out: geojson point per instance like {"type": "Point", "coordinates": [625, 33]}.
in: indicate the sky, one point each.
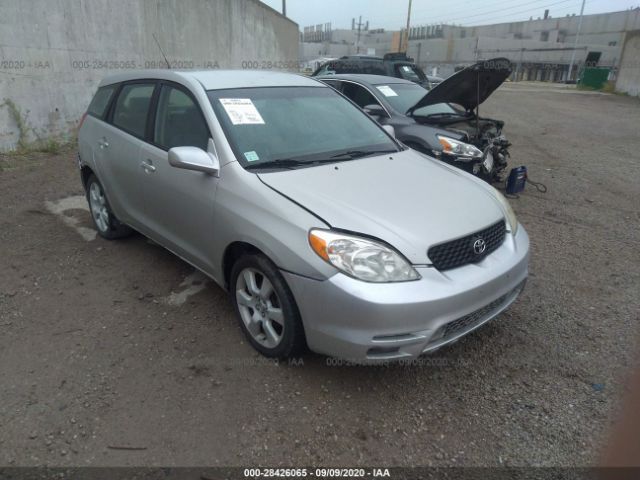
{"type": "Point", "coordinates": [392, 14]}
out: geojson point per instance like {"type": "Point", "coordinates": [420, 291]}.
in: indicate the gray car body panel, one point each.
{"type": "Point", "coordinates": [353, 196]}
{"type": "Point", "coordinates": [405, 199]}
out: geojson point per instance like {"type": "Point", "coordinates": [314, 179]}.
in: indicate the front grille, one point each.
{"type": "Point", "coordinates": [461, 251]}
{"type": "Point", "coordinates": [451, 328]}
{"type": "Point", "coordinates": [469, 321]}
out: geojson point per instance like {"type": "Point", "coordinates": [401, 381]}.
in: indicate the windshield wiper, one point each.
{"type": "Point", "coordinates": [352, 154]}
{"type": "Point", "coordinates": [289, 163]}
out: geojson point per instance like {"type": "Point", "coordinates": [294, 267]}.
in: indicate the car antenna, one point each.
{"type": "Point", "coordinates": [478, 105]}
{"type": "Point", "coordinates": [160, 48]}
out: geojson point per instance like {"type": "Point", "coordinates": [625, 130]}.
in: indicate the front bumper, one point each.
{"type": "Point", "coordinates": [372, 322]}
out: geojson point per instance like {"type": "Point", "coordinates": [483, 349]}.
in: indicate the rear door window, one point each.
{"type": "Point", "coordinates": [132, 108]}
{"type": "Point", "coordinates": [179, 121]}
{"type": "Point", "coordinates": [359, 95]}
{"type": "Point", "coordinates": [100, 101]}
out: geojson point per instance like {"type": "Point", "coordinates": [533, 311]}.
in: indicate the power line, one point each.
{"type": "Point", "coordinates": [489, 12]}
{"type": "Point", "coordinates": [490, 5]}
{"type": "Point", "coordinates": [484, 14]}
{"type": "Point", "coordinates": [520, 12]}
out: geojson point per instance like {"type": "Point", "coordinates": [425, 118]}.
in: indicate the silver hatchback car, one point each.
{"type": "Point", "coordinates": [327, 232]}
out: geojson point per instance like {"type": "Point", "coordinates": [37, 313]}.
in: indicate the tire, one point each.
{"type": "Point", "coordinates": [267, 312]}
{"type": "Point", "coordinates": [106, 223]}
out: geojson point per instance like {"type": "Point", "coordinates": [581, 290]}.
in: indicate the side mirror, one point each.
{"type": "Point", "coordinates": [194, 158]}
{"type": "Point", "coordinates": [375, 110]}
{"type": "Point", "coordinates": [390, 130]}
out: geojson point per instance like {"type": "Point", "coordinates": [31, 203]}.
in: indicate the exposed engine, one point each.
{"type": "Point", "coordinates": [485, 134]}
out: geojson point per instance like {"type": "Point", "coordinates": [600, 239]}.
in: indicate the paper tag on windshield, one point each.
{"type": "Point", "coordinates": [251, 156]}
{"type": "Point", "coordinates": [387, 91]}
{"type": "Point", "coordinates": [242, 111]}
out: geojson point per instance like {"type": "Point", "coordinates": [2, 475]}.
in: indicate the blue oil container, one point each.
{"type": "Point", "coordinates": [517, 179]}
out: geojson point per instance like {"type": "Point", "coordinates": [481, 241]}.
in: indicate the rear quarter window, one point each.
{"type": "Point", "coordinates": [100, 102]}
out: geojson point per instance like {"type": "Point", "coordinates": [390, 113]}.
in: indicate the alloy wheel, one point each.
{"type": "Point", "coordinates": [260, 308]}
{"type": "Point", "coordinates": [99, 209]}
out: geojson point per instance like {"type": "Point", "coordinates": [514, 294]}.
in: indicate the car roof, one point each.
{"type": "Point", "coordinates": [365, 78]}
{"type": "Point", "coordinates": [361, 57]}
{"type": "Point", "coordinates": [219, 79]}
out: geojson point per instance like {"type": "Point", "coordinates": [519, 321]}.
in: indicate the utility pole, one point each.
{"type": "Point", "coordinates": [406, 45]}
{"type": "Point", "coordinates": [575, 45]}
{"type": "Point", "coordinates": [360, 24]}
{"type": "Point", "coordinates": [284, 7]}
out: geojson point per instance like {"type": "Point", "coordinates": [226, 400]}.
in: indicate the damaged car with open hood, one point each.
{"type": "Point", "coordinates": [444, 122]}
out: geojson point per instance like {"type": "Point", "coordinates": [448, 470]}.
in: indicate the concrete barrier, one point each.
{"type": "Point", "coordinates": [628, 80]}
{"type": "Point", "coordinates": [53, 53]}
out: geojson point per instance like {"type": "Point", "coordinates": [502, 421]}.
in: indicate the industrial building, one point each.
{"type": "Point", "coordinates": [540, 48]}
{"type": "Point", "coordinates": [319, 42]}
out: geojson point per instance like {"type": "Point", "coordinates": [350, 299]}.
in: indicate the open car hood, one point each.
{"type": "Point", "coordinates": [469, 87]}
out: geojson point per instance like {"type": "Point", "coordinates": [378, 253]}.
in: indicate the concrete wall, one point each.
{"type": "Point", "coordinates": [628, 80]}
{"type": "Point", "coordinates": [313, 50]}
{"type": "Point", "coordinates": [53, 53]}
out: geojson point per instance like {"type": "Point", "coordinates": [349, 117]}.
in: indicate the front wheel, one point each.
{"type": "Point", "coordinates": [105, 221]}
{"type": "Point", "coordinates": [266, 308]}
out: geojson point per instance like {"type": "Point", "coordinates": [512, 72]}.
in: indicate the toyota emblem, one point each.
{"type": "Point", "coordinates": [479, 246]}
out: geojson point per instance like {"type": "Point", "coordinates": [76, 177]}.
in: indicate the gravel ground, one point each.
{"type": "Point", "coordinates": [97, 354]}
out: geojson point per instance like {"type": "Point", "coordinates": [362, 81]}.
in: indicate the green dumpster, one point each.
{"type": "Point", "coordinates": [594, 77]}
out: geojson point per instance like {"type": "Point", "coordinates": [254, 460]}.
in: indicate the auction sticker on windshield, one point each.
{"type": "Point", "coordinates": [387, 91]}
{"type": "Point", "coordinates": [251, 156]}
{"type": "Point", "coordinates": [242, 111]}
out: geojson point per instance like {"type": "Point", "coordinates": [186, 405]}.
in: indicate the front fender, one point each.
{"type": "Point", "coordinates": [247, 210]}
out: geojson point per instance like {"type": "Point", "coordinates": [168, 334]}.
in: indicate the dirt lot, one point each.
{"type": "Point", "coordinates": [118, 344]}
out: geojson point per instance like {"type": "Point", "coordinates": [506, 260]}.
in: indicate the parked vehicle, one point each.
{"type": "Point", "coordinates": [391, 65]}
{"type": "Point", "coordinates": [325, 230]}
{"type": "Point", "coordinates": [434, 80]}
{"type": "Point", "coordinates": [442, 122]}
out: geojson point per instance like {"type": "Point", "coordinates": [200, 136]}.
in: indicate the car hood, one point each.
{"type": "Point", "coordinates": [406, 199]}
{"type": "Point", "coordinates": [469, 87]}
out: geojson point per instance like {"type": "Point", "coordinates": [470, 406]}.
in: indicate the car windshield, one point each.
{"type": "Point", "coordinates": [411, 72]}
{"type": "Point", "coordinates": [290, 127]}
{"type": "Point", "coordinates": [403, 96]}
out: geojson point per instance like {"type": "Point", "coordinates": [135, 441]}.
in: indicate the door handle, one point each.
{"type": "Point", "coordinates": [102, 143]}
{"type": "Point", "coordinates": [147, 166]}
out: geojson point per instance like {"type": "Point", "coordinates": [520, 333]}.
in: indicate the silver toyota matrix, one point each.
{"type": "Point", "coordinates": [326, 231]}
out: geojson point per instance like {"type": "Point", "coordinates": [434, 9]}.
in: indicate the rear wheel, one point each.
{"type": "Point", "coordinates": [105, 221]}
{"type": "Point", "coordinates": [266, 308]}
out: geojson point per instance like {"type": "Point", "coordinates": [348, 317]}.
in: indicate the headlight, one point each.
{"type": "Point", "coordinates": [361, 258]}
{"type": "Point", "coordinates": [458, 148]}
{"type": "Point", "coordinates": [512, 221]}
